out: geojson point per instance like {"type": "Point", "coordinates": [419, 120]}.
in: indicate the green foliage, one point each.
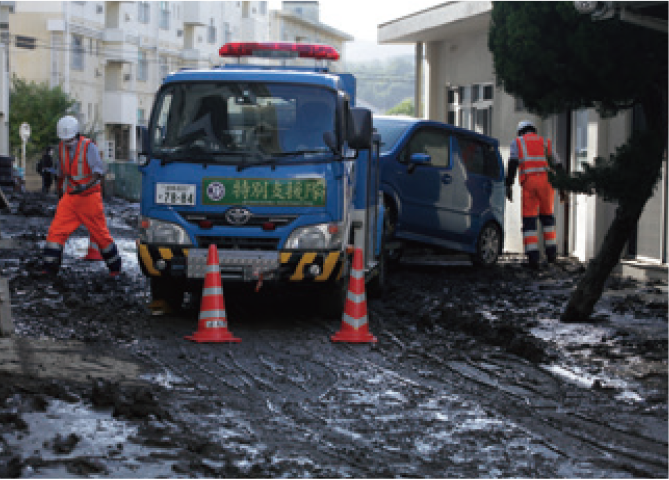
{"type": "Point", "coordinates": [556, 59]}
{"type": "Point", "coordinates": [39, 106]}
{"type": "Point", "coordinates": [405, 107]}
{"type": "Point", "coordinates": [385, 83]}
{"type": "Point", "coordinates": [621, 178]}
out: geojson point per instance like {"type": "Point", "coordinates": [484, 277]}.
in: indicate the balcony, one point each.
{"type": "Point", "coordinates": [194, 14]}
{"type": "Point", "coordinates": [120, 108]}
{"type": "Point", "coordinates": [120, 52]}
{"type": "Point", "coordinates": [113, 35]}
{"type": "Point", "coordinates": [190, 55]}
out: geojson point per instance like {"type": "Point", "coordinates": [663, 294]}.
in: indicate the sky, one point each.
{"type": "Point", "coordinates": [360, 19]}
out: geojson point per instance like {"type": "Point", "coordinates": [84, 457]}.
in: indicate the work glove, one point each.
{"type": "Point", "coordinates": [509, 193]}
{"type": "Point", "coordinates": [563, 196]}
{"type": "Point", "coordinates": [60, 194]}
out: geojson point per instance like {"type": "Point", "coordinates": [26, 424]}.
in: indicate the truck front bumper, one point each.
{"type": "Point", "coordinates": [242, 265]}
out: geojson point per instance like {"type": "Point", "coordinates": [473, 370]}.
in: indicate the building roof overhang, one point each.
{"type": "Point", "coordinates": [436, 23]}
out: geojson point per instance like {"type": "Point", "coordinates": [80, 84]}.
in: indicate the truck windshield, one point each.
{"type": "Point", "coordinates": [240, 123]}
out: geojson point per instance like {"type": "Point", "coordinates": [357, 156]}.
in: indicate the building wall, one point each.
{"type": "Point", "coordinates": [456, 54]}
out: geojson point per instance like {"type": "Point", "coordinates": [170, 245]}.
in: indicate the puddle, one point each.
{"type": "Point", "coordinates": [102, 441]}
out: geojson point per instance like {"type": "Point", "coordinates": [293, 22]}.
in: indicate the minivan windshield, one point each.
{"type": "Point", "coordinates": [241, 123]}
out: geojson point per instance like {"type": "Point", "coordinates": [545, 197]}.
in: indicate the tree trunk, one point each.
{"type": "Point", "coordinates": [590, 287]}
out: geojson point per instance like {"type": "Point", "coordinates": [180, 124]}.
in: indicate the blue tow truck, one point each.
{"type": "Point", "coordinates": [272, 164]}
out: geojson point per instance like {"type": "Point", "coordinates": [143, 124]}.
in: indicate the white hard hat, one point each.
{"type": "Point", "coordinates": [523, 124]}
{"type": "Point", "coordinates": [67, 127]}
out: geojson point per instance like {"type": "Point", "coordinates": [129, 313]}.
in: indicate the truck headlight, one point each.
{"type": "Point", "coordinates": [324, 236]}
{"type": "Point", "coordinates": [161, 232]}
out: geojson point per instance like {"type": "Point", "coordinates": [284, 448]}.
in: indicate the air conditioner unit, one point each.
{"type": "Point", "coordinates": [126, 77]}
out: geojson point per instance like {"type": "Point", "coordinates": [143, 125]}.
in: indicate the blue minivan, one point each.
{"type": "Point", "coordinates": [443, 187]}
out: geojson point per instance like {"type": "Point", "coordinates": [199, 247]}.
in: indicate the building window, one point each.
{"type": "Point", "coordinates": [263, 8]}
{"type": "Point", "coordinates": [488, 92]}
{"type": "Point", "coordinates": [452, 106]}
{"type": "Point", "coordinates": [164, 67]}
{"type": "Point", "coordinates": [211, 31]}
{"type": "Point", "coordinates": [77, 52]}
{"type": "Point", "coordinates": [141, 116]}
{"type": "Point", "coordinates": [143, 67]}
{"type": "Point", "coordinates": [483, 120]}
{"type": "Point", "coordinates": [144, 12]}
{"type": "Point", "coordinates": [482, 99]}
{"type": "Point", "coordinates": [227, 33]}
{"type": "Point", "coordinates": [245, 9]}
{"type": "Point", "coordinates": [164, 15]}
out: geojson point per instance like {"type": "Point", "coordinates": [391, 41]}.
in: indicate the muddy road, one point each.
{"type": "Point", "coordinates": [472, 376]}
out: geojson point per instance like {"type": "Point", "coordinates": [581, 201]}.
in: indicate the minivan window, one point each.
{"type": "Point", "coordinates": [478, 157]}
{"type": "Point", "coordinates": [390, 131]}
{"type": "Point", "coordinates": [431, 141]}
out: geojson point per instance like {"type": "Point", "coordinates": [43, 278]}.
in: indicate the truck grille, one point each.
{"type": "Point", "coordinates": [239, 243]}
{"type": "Point", "coordinates": [219, 220]}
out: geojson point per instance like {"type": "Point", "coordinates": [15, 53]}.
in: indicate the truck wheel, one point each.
{"type": "Point", "coordinates": [331, 299]}
{"type": "Point", "coordinates": [487, 246]}
{"type": "Point", "coordinates": [332, 296]}
{"type": "Point", "coordinates": [169, 290]}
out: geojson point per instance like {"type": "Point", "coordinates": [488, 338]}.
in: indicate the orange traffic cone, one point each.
{"type": "Point", "coordinates": [354, 325]}
{"type": "Point", "coordinates": [93, 251]}
{"type": "Point", "coordinates": [212, 326]}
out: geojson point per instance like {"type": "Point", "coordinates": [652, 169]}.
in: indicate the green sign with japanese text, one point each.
{"type": "Point", "coordinates": [302, 192]}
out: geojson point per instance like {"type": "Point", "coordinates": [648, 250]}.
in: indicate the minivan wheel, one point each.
{"type": "Point", "coordinates": [393, 248]}
{"type": "Point", "coordinates": [487, 246]}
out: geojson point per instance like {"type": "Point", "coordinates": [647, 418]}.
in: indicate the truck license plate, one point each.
{"type": "Point", "coordinates": [175, 194]}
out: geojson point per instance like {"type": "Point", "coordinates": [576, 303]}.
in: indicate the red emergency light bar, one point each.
{"type": "Point", "coordinates": [279, 50]}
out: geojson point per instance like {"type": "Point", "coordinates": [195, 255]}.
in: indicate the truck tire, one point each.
{"type": "Point", "coordinates": [332, 295]}
{"type": "Point", "coordinates": [331, 299]}
{"type": "Point", "coordinates": [487, 246]}
{"type": "Point", "coordinates": [168, 289]}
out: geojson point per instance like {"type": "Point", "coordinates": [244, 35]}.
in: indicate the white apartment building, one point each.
{"type": "Point", "coordinates": [111, 56]}
{"type": "Point", "coordinates": [458, 86]}
{"type": "Point", "coordinates": [5, 8]}
{"type": "Point", "coordinates": [299, 22]}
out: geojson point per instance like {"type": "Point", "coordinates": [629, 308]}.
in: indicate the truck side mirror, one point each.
{"type": "Point", "coordinates": [360, 128]}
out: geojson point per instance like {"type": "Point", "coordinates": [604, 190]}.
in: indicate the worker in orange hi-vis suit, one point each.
{"type": "Point", "coordinates": [529, 154]}
{"type": "Point", "coordinates": [79, 172]}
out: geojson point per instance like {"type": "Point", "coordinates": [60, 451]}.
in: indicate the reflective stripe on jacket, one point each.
{"type": "Point", "coordinates": [76, 171]}
{"type": "Point", "coordinates": [532, 151]}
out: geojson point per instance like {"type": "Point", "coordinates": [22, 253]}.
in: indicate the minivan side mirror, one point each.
{"type": "Point", "coordinates": [420, 158]}
{"type": "Point", "coordinates": [360, 129]}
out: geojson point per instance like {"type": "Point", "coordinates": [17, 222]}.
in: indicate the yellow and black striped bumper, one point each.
{"type": "Point", "coordinates": [293, 266]}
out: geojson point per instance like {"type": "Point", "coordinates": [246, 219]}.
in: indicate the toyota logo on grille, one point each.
{"type": "Point", "coordinates": [238, 216]}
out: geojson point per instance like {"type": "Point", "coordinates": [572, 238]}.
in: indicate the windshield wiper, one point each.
{"type": "Point", "coordinates": [195, 154]}
{"type": "Point", "coordinates": [297, 153]}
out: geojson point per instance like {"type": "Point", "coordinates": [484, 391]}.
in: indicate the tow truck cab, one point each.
{"type": "Point", "coordinates": [273, 165]}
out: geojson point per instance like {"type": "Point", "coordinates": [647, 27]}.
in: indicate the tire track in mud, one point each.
{"type": "Point", "coordinates": [300, 392]}
{"type": "Point", "coordinates": [572, 435]}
